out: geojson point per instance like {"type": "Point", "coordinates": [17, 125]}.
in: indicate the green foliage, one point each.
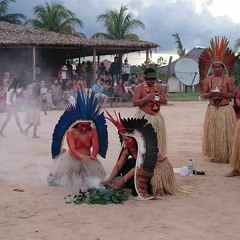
{"type": "Point", "coordinates": [180, 48]}
{"type": "Point", "coordinates": [191, 96]}
{"type": "Point", "coordinates": [101, 196]}
{"type": "Point", "coordinates": [236, 71]}
{"type": "Point", "coordinates": [14, 18]}
{"type": "Point", "coordinates": [118, 25]}
{"type": "Point", "coordinates": [55, 17]}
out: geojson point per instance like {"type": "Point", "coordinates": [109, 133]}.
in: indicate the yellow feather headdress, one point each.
{"type": "Point", "coordinates": [218, 52]}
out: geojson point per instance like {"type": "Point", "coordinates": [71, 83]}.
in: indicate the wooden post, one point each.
{"type": "Point", "coordinates": [147, 58]}
{"type": "Point", "coordinates": [94, 65]}
{"type": "Point", "coordinates": [34, 64]}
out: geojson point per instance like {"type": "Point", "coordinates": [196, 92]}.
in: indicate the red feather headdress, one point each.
{"type": "Point", "coordinates": [218, 52]}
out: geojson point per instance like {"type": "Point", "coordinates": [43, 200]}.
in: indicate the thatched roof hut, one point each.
{"type": "Point", "coordinates": [194, 54]}
{"type": "Point", "coordinates": [27, 46]}
{"type": "Point", "coordinates": [170, 75]}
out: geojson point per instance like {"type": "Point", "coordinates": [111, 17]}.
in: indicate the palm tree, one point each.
{"type": "Point", "coordinates": [14, 18]}
{"type": "Point", "coordinates": [237, 45]}
{"type": "Point", "coordinates": [56, 18]}
{"type": "Point", "coordinates": [118, 25]}
{"type": "Point", "coordinates": [180, 49]}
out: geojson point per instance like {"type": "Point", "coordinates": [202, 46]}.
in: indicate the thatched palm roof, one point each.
{"type": "Point", "coordinates": [19, 36]}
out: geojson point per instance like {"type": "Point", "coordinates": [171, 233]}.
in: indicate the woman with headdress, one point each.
{"type": "Point", "coordinates": [218, 88]}
{"type": "Point", "coordinates": [86, 132]}
{"type": "Point", "coordinates": [11, 97]}
{"type": "Point", "coordinates": [141, 166]}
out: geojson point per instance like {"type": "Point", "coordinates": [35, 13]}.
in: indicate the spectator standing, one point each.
{"type": "Point", "coordinates": [125, 70]}
{"type": "Point", "coordinates": [115, 71]}
{"type": "Point", "coordinates": [63, 74]}
{"type": "Point", "coordinates": [89, 73]}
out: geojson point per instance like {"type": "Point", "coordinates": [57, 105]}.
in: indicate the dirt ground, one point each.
{"type": "Point", "coordinates": [30, 209]}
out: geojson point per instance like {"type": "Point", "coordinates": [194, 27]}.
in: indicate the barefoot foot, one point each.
{"type": "Point", "coordinates": [233, 173]}
{"type": "Point", "coordinates": [2, 135]}
{"type": "Point", "coordinates": [35, 136]}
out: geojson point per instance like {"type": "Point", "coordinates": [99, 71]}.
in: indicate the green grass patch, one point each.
{"type": "Point", "coordinates": [192, 96]}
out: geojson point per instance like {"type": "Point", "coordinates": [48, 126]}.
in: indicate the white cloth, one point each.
{"type": "Point", "coordinates": [8, 97]}
{"type": "Point", "coordinates": [69, 171]}
{"type": "Point", "coordinates": [126, 68]}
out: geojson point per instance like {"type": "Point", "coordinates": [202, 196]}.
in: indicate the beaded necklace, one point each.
{"type": "Point", "coordinates": [154, 104]}
{"type": "Point", "coordinates": [217, 87]}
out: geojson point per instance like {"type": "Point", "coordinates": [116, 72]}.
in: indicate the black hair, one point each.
{"type": "Point", "coordinates": [149, 70]}
{"type": "Point", "coordinates": [14, 84]}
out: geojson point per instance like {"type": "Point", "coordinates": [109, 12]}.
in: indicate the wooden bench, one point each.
{"type": "Point", "coordinates": [115, 101]}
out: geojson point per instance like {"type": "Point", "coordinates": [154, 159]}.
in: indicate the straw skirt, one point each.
{"type": "Point", "coordinates": [69, 171]}
{"type": "Point", "coordinates": [235, 157]}
{"type": "Point", "coordinates": [158, 124]}
{"type": "Point", "coordinates": [218, 132]}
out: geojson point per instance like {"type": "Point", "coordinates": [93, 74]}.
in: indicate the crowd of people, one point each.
{"type": "Point", "coordinates": [142, 165]}
{"type": "Point", "coordinates": [55, 92]}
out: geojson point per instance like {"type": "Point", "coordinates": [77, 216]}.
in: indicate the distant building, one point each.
{"type": "Point", "coordinates": [173, 82]}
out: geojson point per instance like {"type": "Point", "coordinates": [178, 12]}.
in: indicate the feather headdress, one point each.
{"type": "Point", "coordinates": [218, 52]}
{"type": "Point", "coordinates": [146, 138]}
{"type": "Point", "coordinates": [86, 108]}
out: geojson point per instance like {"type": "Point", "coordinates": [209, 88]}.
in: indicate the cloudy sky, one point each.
{"type": "Point", "coordinates": [196, 21]}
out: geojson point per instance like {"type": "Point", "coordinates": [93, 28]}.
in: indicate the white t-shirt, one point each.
{"type": "Point", "coordinates": [43, 90]}
{"type": "Point", "coordinates": [8, 97]}
{"type": "Point", "coordinates": [125, 68]}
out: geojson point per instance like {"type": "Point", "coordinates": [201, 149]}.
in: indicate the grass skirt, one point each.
{"type": "Point", "coordinates": [158, 124]}
{"type": "Point", "coordinates": [32, 116]}
{"type": "Point", "coordinates": [235, 157]}
{"type": "Point", "coordinates": [164, 182]}
{"type": "Point", "coordinates": [69, 171]}
{"type": "Point", "coordinates": [218, 131]}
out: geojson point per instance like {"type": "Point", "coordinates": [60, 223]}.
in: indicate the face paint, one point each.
{"type": "Point", "coordinates": [130, 143]}
{"type": "Point", "coordinates": [84, 126]}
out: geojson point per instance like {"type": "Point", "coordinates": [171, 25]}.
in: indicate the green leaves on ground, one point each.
{"type": "Point", "coordinates": [103, 196]}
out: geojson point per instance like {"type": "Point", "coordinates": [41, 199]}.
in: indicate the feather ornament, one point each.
{"type": "Point", "coordinates": [85, 108]}
{"type": "Point", "coordinates": [218, 52]}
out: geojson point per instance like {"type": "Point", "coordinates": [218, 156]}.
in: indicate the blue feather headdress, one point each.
{"type": "Point", "coordinates": [86, 108]}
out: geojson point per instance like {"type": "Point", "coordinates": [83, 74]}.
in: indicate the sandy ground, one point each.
{"type": "Point", "coordinates": [30, 209]}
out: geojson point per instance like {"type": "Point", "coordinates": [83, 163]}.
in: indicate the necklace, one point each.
{"type": "Point", "coordinates": [217, 85]}
{"type": "Point", "coordinates": [154, 104]}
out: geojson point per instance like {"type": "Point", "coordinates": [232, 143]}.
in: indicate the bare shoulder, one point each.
{"type": "Point", "coordinates": [208, 79]}
{"type": "Point", "coordinates": [139, 87]}
{"type": "Point", "coordinates": [228, 78]}
{"type": "Point", "coordinates": [72, 131]}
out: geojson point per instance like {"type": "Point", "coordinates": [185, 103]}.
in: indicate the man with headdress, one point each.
{"type": "Point", "coordinates": [148, 97]}
{"type": "Point", "coordinates": [141, 166]}
{"type": "Point", "coordinates": [218, 88]}
{"type": "Point", "coordinates": [85, 126]}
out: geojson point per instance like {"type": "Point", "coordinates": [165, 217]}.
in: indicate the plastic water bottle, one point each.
{"type": "Point", "coordinates": [190, 167]}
